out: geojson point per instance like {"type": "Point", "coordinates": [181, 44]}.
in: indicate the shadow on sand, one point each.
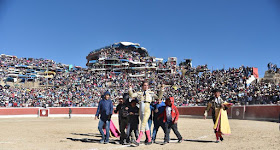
{"type": "Point", "coordinates": [200, 141]}
{"type": "Point", "coordinates": [91, 140]}
{"type": "Point", "coordinates": [88, 134]}
{"type": "Point", "coordinates": [116, 141]}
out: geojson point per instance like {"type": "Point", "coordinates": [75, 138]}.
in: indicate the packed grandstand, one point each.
{"type": "Point", "coordinates": [31, 82]}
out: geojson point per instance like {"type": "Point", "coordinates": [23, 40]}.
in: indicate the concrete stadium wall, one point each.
{"type": "Point", "coordinates": [263, 112]}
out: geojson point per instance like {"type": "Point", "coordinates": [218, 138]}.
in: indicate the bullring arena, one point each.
{"type": "Point", "coordinates": [52, 129]}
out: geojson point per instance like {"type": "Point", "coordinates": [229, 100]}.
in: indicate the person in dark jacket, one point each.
{"type": "Point", "coordinates": [122, 108]}
{"type": "Point", "coordinates": [158, 110]}
{"type": "Point", "coordinates": [133, 121]}
{"type": "Point", "coordinates": [118, 110]}
{"type": "Point", "coordinates": [170, 118]}
{"type": "Point", "coordinates": [70, 113]}
{"type": "Point", "coordinates": [105, 109]}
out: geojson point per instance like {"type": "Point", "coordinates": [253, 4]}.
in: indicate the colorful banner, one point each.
{"type": "Point", "coordinates": [256, 72]}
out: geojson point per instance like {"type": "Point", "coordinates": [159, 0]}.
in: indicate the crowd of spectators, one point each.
{"type": "Point", "coordinates": [80, 87]}
{"type": "Point", "coordinates": [273, 68]}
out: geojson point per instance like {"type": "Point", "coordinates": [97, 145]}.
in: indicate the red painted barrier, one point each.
{"type": "Point", "coordinates": [75, 110]}
{"type": "Point", "coordinates": [262, 112]}
{"type": "Point", "coordinates": [19, 111]}
{"type": "Point", "coordinates": [251, 112]}
{"type": "Point", "coordinates": [197, 111]}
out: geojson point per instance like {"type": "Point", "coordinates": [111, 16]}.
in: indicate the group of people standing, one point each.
{"type": "Point", "coordinates": [137, 120]}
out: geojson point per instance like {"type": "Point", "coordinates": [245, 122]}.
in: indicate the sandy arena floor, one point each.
{"type": "Point", "coordinates": [82, 133]}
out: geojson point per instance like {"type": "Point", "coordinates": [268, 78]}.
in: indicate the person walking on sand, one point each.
{"type": "Point", "coordinates": [145, 98]}
{"type": "Point", "coordinates": [105, 109]}
{"type": "Point", "coordinates": [170, 118]}
{"type": "Point", "coordinates": [219, 115]}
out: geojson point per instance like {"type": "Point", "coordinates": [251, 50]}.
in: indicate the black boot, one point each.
{"type": "Point", "coordinates": [121, 141]}
{"type": "Point", "coordinates": [148, 143]}
{"type": "Point", "coordinates": [135, 143]}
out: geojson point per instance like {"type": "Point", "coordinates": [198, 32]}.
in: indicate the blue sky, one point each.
{"type": "Point", "coordinates": [219, 33]}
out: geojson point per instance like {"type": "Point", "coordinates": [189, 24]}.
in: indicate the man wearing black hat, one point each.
{"type": "Point", "coordinates": [118, 108]}
{"type": "Point", "coordinates": [133, 121]}
{"type": "Point", "coordinates": [215, 103]}
{"type": "Point", "coordinates": [123, 117]}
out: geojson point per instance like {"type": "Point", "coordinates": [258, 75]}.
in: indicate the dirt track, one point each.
{"type": "Point", "coordinates": [82, 133]}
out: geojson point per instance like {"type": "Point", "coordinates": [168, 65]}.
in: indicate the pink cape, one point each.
{"type": "Point", "coordinates": [114, 131]}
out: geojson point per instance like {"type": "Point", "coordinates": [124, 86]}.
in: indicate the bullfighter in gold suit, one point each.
{"type": "Point", "coordinates": [145, 97]}
{"type": "Point", "coordinates": [219, 115]}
